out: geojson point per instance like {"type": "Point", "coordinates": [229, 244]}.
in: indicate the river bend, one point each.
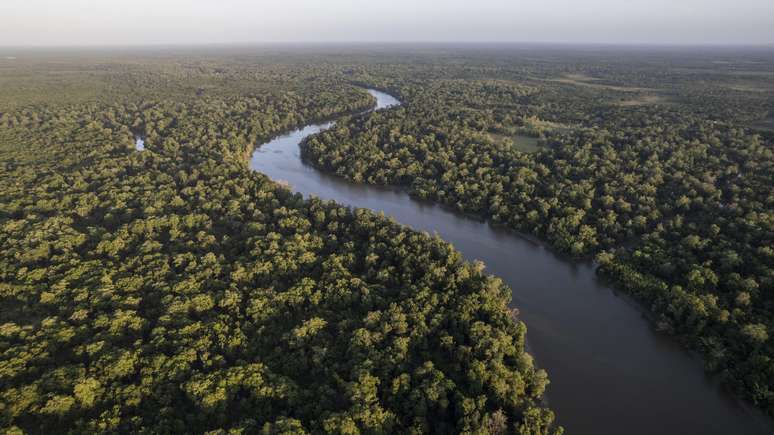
{"type": "Point", "coordinates": [610, 372]}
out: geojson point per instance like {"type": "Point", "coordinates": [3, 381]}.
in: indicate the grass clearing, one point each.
{"type": "Point", "coordinates": [764, 124]}
{"type": "Point", "coordinates": [751, 87]}
{"type": "Point", "coordinates": [644, 100]}
{"type": "Point", "coordinates": [587, 81]}
{"type": "Point", "coordinates": [523, 143]}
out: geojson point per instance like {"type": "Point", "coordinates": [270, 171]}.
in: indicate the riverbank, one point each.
{"type": "Point", "coordinates": [610, 372]}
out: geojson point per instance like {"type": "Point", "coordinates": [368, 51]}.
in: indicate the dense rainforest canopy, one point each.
{"type": "Point", "coordinates": [175, 291]}
{"type": "Point", "coordinates": [660, 167]}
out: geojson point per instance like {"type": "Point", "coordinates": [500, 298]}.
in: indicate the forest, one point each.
{"type": "Point", "coordinates": [662, 176]}
{"type": "Point", "coordinates": [174, 290]}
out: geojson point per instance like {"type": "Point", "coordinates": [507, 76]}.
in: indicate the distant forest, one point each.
{"type": "Point", "coordinates": [174, 290]}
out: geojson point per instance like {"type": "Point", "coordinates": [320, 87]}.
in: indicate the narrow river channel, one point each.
{"type": "Point", "coordinates": [610, 372]}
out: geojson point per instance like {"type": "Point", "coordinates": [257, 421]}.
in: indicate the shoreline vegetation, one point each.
{"type": "Point", "coordinates": [174, 290]}
{"type": "Point", "coordinates": [701, 278]}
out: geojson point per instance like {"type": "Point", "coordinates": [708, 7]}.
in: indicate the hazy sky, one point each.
{"type": "Point", "coordinates": [98, 22]}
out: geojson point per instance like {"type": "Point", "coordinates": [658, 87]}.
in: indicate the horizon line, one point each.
{"type": "Point", "coordinates": [394, 43]}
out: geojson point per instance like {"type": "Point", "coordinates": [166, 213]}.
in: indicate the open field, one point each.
{"type": "Point", "coordinates": [764, 124]}
{"type": "Point", "coordinates": [589, 82]}
{"type": "Point", "coordinates": [523, 143]}
{"type": "Point", "coordinates": [644, 100]}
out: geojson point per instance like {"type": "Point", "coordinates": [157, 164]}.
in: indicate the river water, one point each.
{"type": "Point", "coordinates": [610, 372]}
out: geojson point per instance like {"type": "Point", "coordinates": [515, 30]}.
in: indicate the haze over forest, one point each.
{"type": "Point", "coordinates": [140, 22]}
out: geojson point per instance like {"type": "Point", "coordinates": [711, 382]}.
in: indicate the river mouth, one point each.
{"type": "Point", "coordinates": [610, 372]}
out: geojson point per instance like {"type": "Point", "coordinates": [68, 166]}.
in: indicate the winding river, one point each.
{"type": "Point", "coordinates": [610, 372]}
